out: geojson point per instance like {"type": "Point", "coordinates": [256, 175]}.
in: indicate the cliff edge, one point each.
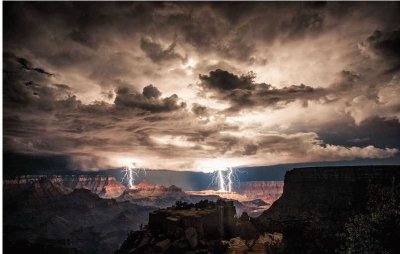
{"type": "Point", "coordinates": [317, 202]}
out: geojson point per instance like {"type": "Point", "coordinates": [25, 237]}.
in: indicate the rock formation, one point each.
{"type": "Point", "coordinates": [153, 195]}
{"type": "Point", "coordinates": [269, 191]}
{"type": "Point", "coordinates": [215, 221]}
{"type": "Point", "coordinates": [42, 213]}
{"type": "Point", "coordinates": [104, 186]}
{"type": "Point", "coordinates": [317, 202]}
{"type": "Point", "coordinates": [185, 228]}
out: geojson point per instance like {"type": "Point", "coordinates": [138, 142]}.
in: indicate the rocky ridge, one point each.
{"type": "Point", "coordinates": [104, 186]}
{"type": "Point", "coordinates": [317, 202]}
{"type": "Point", "coordinates": [268, 191]}
{"type": "Point", "coordinates": [43, 213]}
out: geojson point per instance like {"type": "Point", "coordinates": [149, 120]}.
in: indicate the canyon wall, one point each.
{"type": "Point", "coordinates": [146, 194]}
{"type": "Point", "coordinates": [269, 191]}
{"type": "Point", "coordinates": [317, 202]}
{"type": "Point", "coordinates": [40, 214]}
{"type": "Point", "coordinates": [104, 186]}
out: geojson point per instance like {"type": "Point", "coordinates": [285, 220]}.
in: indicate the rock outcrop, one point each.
{"type": "Point", "coordinates": [104, 186]}
{"type": "Point", "coordinates": [186, 228]}
{"type": "Point", "coordinates": [153, 195]}
{"type": "Point", "coordinates": [45, 214]}
{"type": "Point", "coordinates": [269, 191]}
{"type": "Point", "coordinates": [217, 221]}
{"type": "Point", "coordinates": [317, 202]}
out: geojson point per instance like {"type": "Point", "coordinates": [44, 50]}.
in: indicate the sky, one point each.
{"type": "Point", "coordinates": [199, 86]}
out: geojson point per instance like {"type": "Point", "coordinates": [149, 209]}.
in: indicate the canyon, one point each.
{"type": "Point", "coordinates": [67, 212]}
{"type": "Point", "coordinates": [104, 186]}
{"type": "Point", "coordinates": [311, 216]}
{"type": "Point", "coordinates": [86, 213]}
{"type": "Point", "coordinates": [146, 194]}
{"type": "Point", "coordinates": [45, 214]}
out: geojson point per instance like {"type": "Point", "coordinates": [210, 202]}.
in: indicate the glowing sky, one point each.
{"type": "Point", "coordinates": [187, 86]}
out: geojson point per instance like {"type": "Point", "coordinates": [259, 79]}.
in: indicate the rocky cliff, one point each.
{"type": "Point", "coordinates": [268, 191]}
{"type": "Point", "coordinates": [43, 213]}
{"type": "Point", "coordinates": [104, 186]}
{"type": "Point", "coordinates": [146, 194]}
{"type": "Point", "coordinates": [185, 228]}
{"type": "Point", "coordinates": [317, 202]}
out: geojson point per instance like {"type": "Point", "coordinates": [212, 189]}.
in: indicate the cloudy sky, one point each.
{"type": "Point", "coordinates": [194, 86]}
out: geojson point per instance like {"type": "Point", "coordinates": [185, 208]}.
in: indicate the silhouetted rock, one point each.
{"type": "Point", "coordinates": [185, 228]}
{"type": "Point", "coordinates": [317, 202]}
{"type": "Point", "coordinates": [41, 214]}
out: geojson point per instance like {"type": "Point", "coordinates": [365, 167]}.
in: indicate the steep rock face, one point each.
{"type": "Point", "coordinates": [216, 222]}
{"type": "Point", "coordinates": [268, 191]}
{"type": "Point", "coordinates": [317, 202]}
{"type": "Point", "coordinates": [153, 195]}
{"type": "Point", "coordinates": [185, 228]}
{"type": "Point", "coordinates": [79, 220]}
{"type": "Point", "coordinates": [104, 186]}
{"type": "Point", "coordinates": [33, 193]}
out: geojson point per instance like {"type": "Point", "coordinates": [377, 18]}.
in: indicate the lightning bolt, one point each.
{"type": "Point", "coordinates": [225, 179]}
{"type": "Point", "coordinates": [229, 178]}
{"type": "Point", "coordinates": [131, 173]}
{"type": "Point", "coordinates": [221, 181]}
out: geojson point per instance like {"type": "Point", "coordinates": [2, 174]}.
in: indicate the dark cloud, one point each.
{"type": "Point", "coordinates": [148, 100]}
{"type": "Point", "coordinates": [224, 80]}
{"type": "Point", "coordinates": [25, 64]}
{"type": "Point", "coordinates": [69, 69]}
{"type": "Point", "coordinates": [385, 44]}
{"type": "Point", "coordinates": [156, 52]}
{"type": "Point", "coordinates": [303, 24]}
{"type": "Point", "coordinates": [33, 88]}
{"type": "Point", "coordinates": [250, 150]}
{"type": "Point", "coordinates": [151, 91]}
{"type": "Point", "coordinates": [369, 132]}
{"type": "Point", "coordinates": [199, 110]}
{"type": "Point", "coordinates": [230, 30]}
{"type": "Point", "coordinates": [84, 39]}
{"type": "Point", "coordinates": [242, 92]}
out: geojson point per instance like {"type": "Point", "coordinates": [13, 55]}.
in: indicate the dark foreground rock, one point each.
{"type": "Point", "coordinates": [318, 204]}
{"type": "Point", "coordinates": [42, 217]}
{"type": "Point", "coordinates": [186, 228]}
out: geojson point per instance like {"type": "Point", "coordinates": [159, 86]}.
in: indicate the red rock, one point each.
{"type": "Point", "coordinates": [104, 186]}
{"type": "Point", "coordinates": [269, 191]}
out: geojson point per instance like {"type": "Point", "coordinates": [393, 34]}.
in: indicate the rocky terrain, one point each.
{"type": "Point", "coordinates": [242, 203]}
{"type": "Point", "coordinates": [104, 186]}
{"type": "Point", "coordinates": [268, 191]}
{"type": "Point", "coordinates": [74, 212]}
{"type": "Point", "coordinates": [204, 227]}
{"type": "Point", "coordinates": [43, 214]}
{"type": "Point", "coordinates": [184, 228]}
{"type": "Point", "coordinates": [153, 195]}
{"type": "Point", "coordinates": [146, 194]}
{"type": "Point", "coordinates": [317, 202]}
{"type": "Point", "coordinates": [321, 210]}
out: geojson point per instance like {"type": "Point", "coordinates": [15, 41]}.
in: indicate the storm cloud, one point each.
{"type": "Point", "coordinates": [242, 91]}
{"type": "Point", "coordinates": [148, 100]}
{"type": "Point", "coordinates": [176, 85]}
